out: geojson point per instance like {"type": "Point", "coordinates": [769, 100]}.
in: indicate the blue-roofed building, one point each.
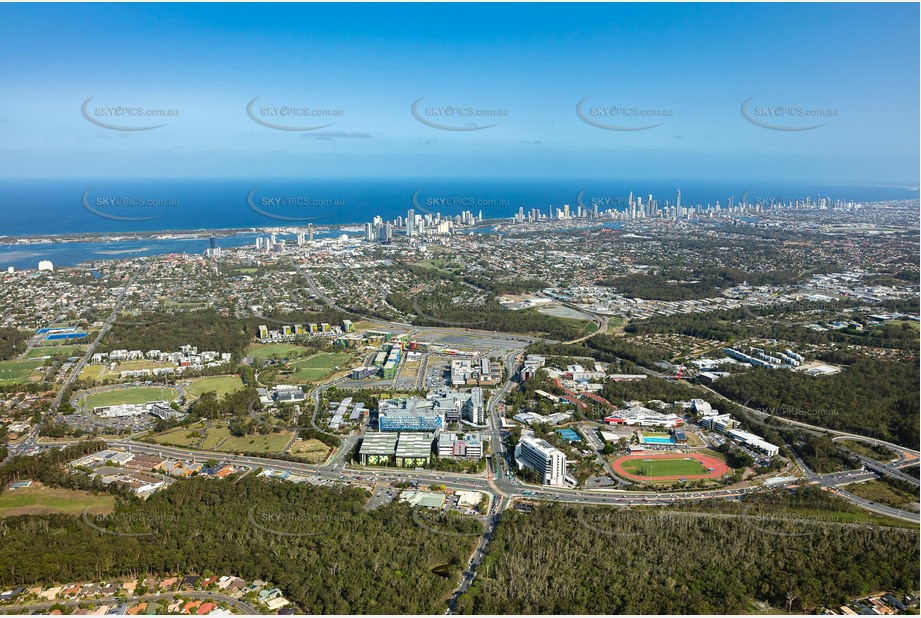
{"type": "Point", "coordinates": [409, 415]}
{"type": "Point", "coordinates": [55, 329]}
{"type": "Point", "coordinates": [56, 336]}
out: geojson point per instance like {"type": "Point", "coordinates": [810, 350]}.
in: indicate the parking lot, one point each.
{"type": "Point", "coordinates": [382, 495]}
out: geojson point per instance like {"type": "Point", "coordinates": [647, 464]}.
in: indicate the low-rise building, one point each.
{"type": "Point", "coordinates": [753, 442]}
{"type": "Point", "coordinates": [378, 449]}
{"type": "Point", "coordinates": [643, 417]}
{"type": "Point", "coordinates": [458, 446]}
{"type": "Point", "coordinates": [413, 449]}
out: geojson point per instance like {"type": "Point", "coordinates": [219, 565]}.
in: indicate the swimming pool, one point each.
{"type": "Point", "coordinates": [658, 440]}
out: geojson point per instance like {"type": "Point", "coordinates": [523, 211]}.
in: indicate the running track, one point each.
{"type": "Point", "coordinates": [719, 468]}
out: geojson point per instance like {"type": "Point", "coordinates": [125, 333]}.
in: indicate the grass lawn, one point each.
{"type": "Point", "coordinates": [140, 394]}
{"type": "Point", "coordinates": [319, 365]}
{"type": "Point", "coordinates": [56, 350]}
{"type": "Point", "coordinates": [215, 436]}
{"type": "Point", "coordinates": [664, 467]}
{"type": "Point", "coordinates": [92, 372]}
{"type": "Point", "coordinates": [181, 436]}
{"type": "Point", "coordinates": [884, 493]}
{"type": "Point", "coordinates": [220, 384]}
{"type": "Point", "coordinates": [279, 350]}
{"type": "Point", "coordinates": [312, 450]}
{"type": "Point", "coordinates": [694, 439]}
{"type": "Point", "coordinates": [444, 266]}
{"type": "Point", "coordinates": [17, 370]}
{"type": "Point", "coordinates": [272, 443]}
{"type": "Point", "coordinates": [35, 500]}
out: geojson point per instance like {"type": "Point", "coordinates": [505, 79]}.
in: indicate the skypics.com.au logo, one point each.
{"type": "Point", "coordinates": [293, 118]}
{"type": "Point", "coordinates": [292, 524]}
{"type": "Point", "coordinates": [446, 523]}
{"type": "Point", "coordinates": [118, 207]}
{"type": "Point", "coordinates": [127, 523]}
{"type": "Point", "coordinates": [292, 208]}
{"type": "Point", "coordinates": [474, 311]}
{"type": "Point", "coordinates": [785, 118]}
{"type": "Point", "coordinates": [455, 117]}
{"type": "Point", "coordinates": [619, 118]}
{"type": "Point", "coordinates": [128, 118]}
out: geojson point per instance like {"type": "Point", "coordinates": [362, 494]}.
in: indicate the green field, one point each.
{"type": "Point", "coordinates": [215, 436]}
{"type": "Point", "coordinates": [35, 500]}
{"type": "Point", "coordinates": [139, 394]}
{"type": "Point", "coordinates": [312, 450]}
{"type": "Point", "coordinates": [272, 443]}
{"type": "Point", "coordinates": [318, 366]}
{"type": "Point", "coordinates": [181, 436]}
{"type": "Point", "coordinates": [220, 384]}
{"type": "Point", "coordinates": [92, 372]}
{"type": "Point", "coordinates": [664, 467]}
{"type": "Point", "coordinates": [443, 266]}
{"type": "Point", "coordinates": [56, 350]}
{"type": "Point", "coordinates": [277, 350]}
{"type": "Point", "coordinates": [17, 370]}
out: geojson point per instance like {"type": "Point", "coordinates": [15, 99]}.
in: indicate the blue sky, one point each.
{"type": "Point", "coordinates": [693, 64]}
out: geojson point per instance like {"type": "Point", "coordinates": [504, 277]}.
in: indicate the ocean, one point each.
{"type": "Point", "coordinates": [112, 207]}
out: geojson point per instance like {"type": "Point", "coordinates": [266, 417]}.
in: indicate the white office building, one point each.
{"type": "Point", "coordinates": [753, 442]}
{"type": "Point", "coordinates": [473, 409]}
{"type": "Point", "coordinates": [538, 455]}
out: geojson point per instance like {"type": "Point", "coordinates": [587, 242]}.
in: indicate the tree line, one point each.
{"type": "Point", "coordinates": [323, 550]}
{"type": "Point", "coordinates": [582, 560]}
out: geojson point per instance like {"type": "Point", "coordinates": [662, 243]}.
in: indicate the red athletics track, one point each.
{"type": "Point", "coordinates": [719, 468]}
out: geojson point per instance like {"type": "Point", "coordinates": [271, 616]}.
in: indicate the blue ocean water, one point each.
{"type": "Point", "coordinates": [48, 207]}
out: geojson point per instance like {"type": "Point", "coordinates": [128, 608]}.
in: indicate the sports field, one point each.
{"type": "Point", "coordinates": [140, 394]}
{"type": "Point", "coordinates": [669, 467]}
{"type": "Point", "coordinates": [319, 365]}
{"type": "Point", "coordinates": [56, 350]}
{"type": "Point", "coordinates": [36, 500]}
{"type": "Point", "coordinates": [17, 370]}
{"type": "Point", "coordinates": [220, 384]}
